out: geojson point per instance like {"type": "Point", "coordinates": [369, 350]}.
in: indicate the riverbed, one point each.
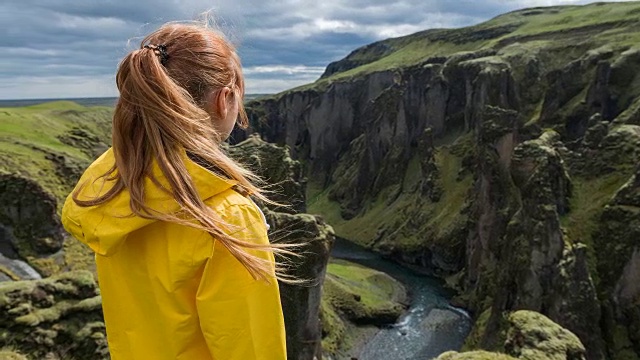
{"type": "Point", "coordinates": [429, 327]}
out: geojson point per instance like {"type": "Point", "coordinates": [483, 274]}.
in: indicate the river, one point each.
{"type": "Point", "coordinates": [429, 327]}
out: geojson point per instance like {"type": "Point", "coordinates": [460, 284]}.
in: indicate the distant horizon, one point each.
{"type": "Point", "coordinates": [94, 97]}
{"type": "Point", "coordinates": [58, 99]}
{"type": "Point", "coordinates": [85, 101]}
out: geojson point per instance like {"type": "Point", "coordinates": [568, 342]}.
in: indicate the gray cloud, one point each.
{"type": "Point", "coordinates": [70, 48]}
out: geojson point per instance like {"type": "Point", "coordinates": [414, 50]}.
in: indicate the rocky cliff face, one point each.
{"type": "Point", "coordinates": [507, 169]}
{"type": "Point", "coordinates": [301, 303]}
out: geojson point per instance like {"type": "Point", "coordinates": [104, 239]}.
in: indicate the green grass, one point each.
{"type": "Point", "coordinates": [29, 138]}
{"type": "Point", "coordinates": [439, 217]}
{"type": "Point", "coordinates": [28, 134]}
{"type": "Point", "coordinates": [586, 205]}
{"type": "Point", "coordinates": [571, 17]}
{"type": "Point", "coordinates": [553, 30]}
{"type": "Point", "coordinates": [410, 54]}
{"type": "Point", "coordinates": [588, 200]}
{"type": "Point", "coordinates": [375, 288]}
{"type": "Point", "coordinates": [355, 294]}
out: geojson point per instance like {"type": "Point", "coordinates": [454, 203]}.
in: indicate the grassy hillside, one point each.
{"type": "Point", "coordinates": [50, 145]}
{"type": "Point", "coordinates": [52, 142]}
{"type": "Point", "coordinates": [538, 28]}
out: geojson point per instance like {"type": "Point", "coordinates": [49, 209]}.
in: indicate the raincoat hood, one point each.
{"type": "Point", "coordinates": [106, 226]}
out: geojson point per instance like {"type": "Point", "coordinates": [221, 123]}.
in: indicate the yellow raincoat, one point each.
{"type": "Point", "coordinates": [173, 292]}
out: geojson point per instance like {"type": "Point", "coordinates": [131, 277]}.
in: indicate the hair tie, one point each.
{"type": "Point", "coordinates": [160, 51]}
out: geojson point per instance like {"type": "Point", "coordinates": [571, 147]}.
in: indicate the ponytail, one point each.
{"type": "Point", "coordinates": [159, 116]}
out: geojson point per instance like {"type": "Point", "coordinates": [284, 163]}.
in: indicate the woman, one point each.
{"type": "Point", "coordinates": [185, 268]}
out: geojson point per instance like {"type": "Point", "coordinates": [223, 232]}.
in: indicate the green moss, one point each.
{"type": "Point", "coordinates": [361, 294]}
{"type": "Point", "coordinates": [45, 315]}
{"type": "Point", "coordinates": [333, 328]}
{"type": "Point", "coordinates": [46, 266]}
{"type": "Point", "coordinates": [474, 355]}
{"type": "Point", "coordinates": [622, 348]}
{"type": "Point", "coordinates": [5, 270]}
{"type": "Point", "coordinates": [353, 298]}
{"type": "Point", "coordinates": [589, 196]}
{"type": "Point", "coordinates": [533, 336]}
{"type": "Point", "coordinates": [455, 191]}
{"type": "Point", "coordinates": [440, 218]}
{"type": "Point", "coordinates": [318, 203]}
{"type": "Point", "coordinates": [9, 354]}
{"type": "Point", "coordinates": [477, 332]}
{"type": "Point", "coordinates": [78, 256]}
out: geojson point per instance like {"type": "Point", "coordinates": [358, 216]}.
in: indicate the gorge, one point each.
{"type": "Point", "coordinates": [501, 158]}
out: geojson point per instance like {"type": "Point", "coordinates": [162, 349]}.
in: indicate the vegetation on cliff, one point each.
{"type": "Point", "coordinates": [530, 336]}
{"type": "Point", "coordinates": [45, 148]}
{"type": "Point", "coordinates": [354, 297]}
{"type": "Point", "coordinates": [502, 157]}
{"type": "Point", "coordinates": [498, 156]}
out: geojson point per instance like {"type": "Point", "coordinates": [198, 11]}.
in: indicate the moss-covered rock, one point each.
{"type": "Point", "coordinates": [356, 295]}
{"type": "Point", "coordinates": [301, 303]}
{"type": "Point", "coordinates": [282, 175]}
{"type": "Point", "coordinates": [529, 336]}
{"type": "Point", "coordinates": [535, 267]}
{"type": "Point", "coordinates": [11, 355]}
{"type": "Point", "coordinates": [617, 236]}
{"type": "Point", "coordinates": [532, 336]}
{"type": "Point", "coordinates": [363, 295]}
{"type": "Point", "coordinates": [429, 186]}
{"type": "Point", "coordinates": [28, 217]}
{"type": "Point", "coordinates": [57, 317]}
{"type": "Point", "coordinates": [473, 355]}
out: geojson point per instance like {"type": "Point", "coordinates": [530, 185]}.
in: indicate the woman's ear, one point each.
{"type": "Point", "coordinates": [217, 102]}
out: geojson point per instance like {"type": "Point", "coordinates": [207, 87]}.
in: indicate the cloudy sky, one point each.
{"type": "Point", "coordinates": [71, 48]}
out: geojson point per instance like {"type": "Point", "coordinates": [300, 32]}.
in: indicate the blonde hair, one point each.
{"type": "Point", "coordinates": [160, 115]}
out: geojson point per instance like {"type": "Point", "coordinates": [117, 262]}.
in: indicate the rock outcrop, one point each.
{"type": "Point", "coordinates": [282, 175]}
{"type": "Point", "coordinates": [15, 269]}
{"type": "Point", "coordinates": [617, 236]}
{"type": "Point", "coordinates": [301, 303]}
{"type": "Point", "coordinates": [38, 168]}
{"type": "Point", "coordinates": [531, 336]}
{"type": "Point", "coordinates": [28, 217]}
{"type": "Point", "coordinates": [55, 318]}
{"type": "Point", "coordinates": [289, 224]}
